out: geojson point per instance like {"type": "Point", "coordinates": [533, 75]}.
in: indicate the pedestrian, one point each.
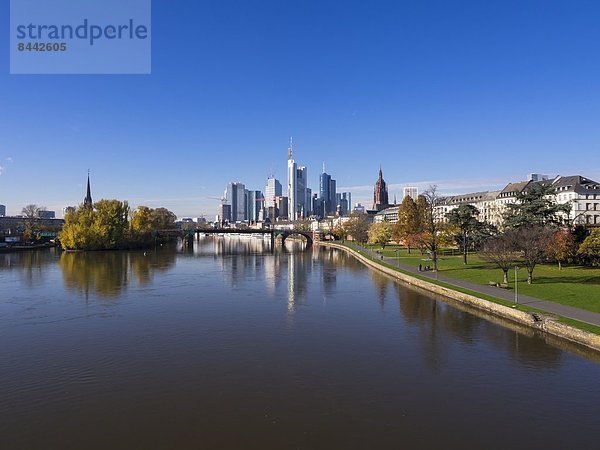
{"type": "Point", "coordinates": [420, 267]}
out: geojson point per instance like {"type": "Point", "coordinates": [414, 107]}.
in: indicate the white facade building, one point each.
{"type": "Point", "coordinates": [272, 190]}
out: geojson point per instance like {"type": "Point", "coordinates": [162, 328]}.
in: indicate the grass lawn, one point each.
{"type": "Point", "coordinates": [573, 285]}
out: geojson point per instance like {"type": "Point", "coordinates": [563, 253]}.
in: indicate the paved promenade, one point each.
{"type": "Point", "coordinates": [543, 305]}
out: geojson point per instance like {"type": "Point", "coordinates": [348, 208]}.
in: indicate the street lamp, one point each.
{"type": "Point", "coordinates": [516, 286]}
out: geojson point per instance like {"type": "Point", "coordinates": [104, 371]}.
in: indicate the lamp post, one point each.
{"type": "Point", "coordinates": [516, 286]}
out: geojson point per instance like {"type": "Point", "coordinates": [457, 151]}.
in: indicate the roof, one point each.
{"type": "Point", "coordinates": [575, 183]}
{"type": "Point", "coordinates": [390, 210]}
{"type": "Point", "coordinates": [473, 197]}
{"type": "Point", "coordinates": [511, 188]}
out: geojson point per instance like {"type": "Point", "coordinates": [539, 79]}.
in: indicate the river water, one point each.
{"type": "Point", "coordinates": [227, 345]}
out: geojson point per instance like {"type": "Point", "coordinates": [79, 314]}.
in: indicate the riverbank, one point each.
{"type": "Point", "coordinates": [562, 327]}
{"type": "Point", "coordinates": [24, 248]}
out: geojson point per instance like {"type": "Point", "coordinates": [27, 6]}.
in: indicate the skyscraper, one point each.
{"type": "Point", "coordinates": [380, 194]}
{"type": "Point", "coordinates": [301, 183]}
{"type": "Point", "coordinates": [296, 187]}
{"type": "Point", "coordinates": [327, 193]}
{"type": "Point", "coordinates": [235, 195]}
{"type": "Point", "coordinates": [272, 190]}
{"type": "Point", "coordinates": [225, 213]}
{"type": "Point", "coordinates": [332, 200]}
{"type": "Point", "coordinates": [324, 184]}
{"type": "Point", "coordinates": [344, 203]}
{"type": "Point", "coordinates": [254, 205]}
{"type": "Point", "coordinates": [2, 210]}
{"type": "Point", "coordinates": [292, 185]}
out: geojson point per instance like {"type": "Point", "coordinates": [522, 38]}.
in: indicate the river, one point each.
{"type": "Point", "coordinates": [227, 345]}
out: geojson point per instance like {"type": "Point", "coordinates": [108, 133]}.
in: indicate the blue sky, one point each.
{"type": "Point", "coordinates": [466, 94]}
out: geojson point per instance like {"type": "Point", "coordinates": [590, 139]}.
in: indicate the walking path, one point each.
{"type": "Point", "coordinates": [569, 312]}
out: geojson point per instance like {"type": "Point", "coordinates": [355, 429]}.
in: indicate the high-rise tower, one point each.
{"type": "Point", "coordinates": [292, 185]}
{"type": "Point", "coordinates": [380, 194]}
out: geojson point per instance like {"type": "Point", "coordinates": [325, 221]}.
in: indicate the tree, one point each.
{"type": "Point", "coordinates": [77, 231]}
{"type": "Point", "coordinates": [408, 224]}
{"type": "Point", "coordinates": [163, 219]}
{"type": "Point", "coordinates": [103, 227]}
{"type": "Point", "coordinates": [535, 205]}
{"type": "Point", "coordinates": [357, 226]}
{"type": "Point", "coordinates": [590, 247]}
{"type": "Point", "coordinates": [302, 225]}
{"type": "Point", "coordinates": [32, 211]}
{"type": "Point", "coordinates": [501, 250]}
{"type": "Point", "coordinates": [142, 220]}
{"type": "Point", "coordinates": [380, 233]}
{"type": "Point", "coordinates": [339, 232]}
{"type": "Point", "coordinates": [465, 219]}
{"type": "Point", "coordinates": [561, 246]}
{"type": "Point", "coordinates": [482, 234]}
{"type": "Point", "coordinates": [111, 223]}
{"type": "Point", "coordinates": [427, 204]}
{"type": "Point", "coordinates": [531, 242]}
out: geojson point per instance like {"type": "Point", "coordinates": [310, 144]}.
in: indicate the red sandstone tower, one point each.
{"type": "Point", "coordinates": [380, 195]}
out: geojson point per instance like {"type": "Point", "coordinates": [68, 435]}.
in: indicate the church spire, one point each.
{"type": "Point", "coordinates": [380, 194]}
{"type": "Point", "coordinates": [87, 202]}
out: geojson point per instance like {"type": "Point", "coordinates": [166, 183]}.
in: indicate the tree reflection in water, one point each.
{"type": "Point", "coordinates": [30, 264]}
{"type": "Point", "coordinates": [107, 274]}
{"type": "Point", "coordinates": [436, 320]}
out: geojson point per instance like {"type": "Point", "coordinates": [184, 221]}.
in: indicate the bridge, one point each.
{"type": "Point", "coordinates": [274, 233]}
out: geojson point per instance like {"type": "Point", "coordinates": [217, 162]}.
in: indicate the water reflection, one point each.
{"type": "Point", "coordinates": [31, 265]}
{"type": "Point", "coordinates": [107, 274]}
{"type": "Point", "coordinates": [436, 320]}
{"type": "Point", "coordinates": [298, 349]}
{"type": "Point", "coordinates": [246, 257]}
{"type": "Point", "coordinates": [231, 245]}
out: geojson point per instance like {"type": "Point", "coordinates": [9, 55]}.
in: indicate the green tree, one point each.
{"type": "Point", "coordinates": [357, 227]}
{"type": "Point", "coordinates": [303, 225]}
{"type": "Point", "coordinates": [103, 227]}
{"type": "Point", "coordinates": [111, 223]}
{"type": "Point", "coordinates": [409, 223]}
{"type": "Point", "coordinates": [142, 220]}
{"type": "Point", "coordinates": [380, 233]}
{"type": "Point", "coordinates": [339, 232]}
{"type": "Point", "coordinates": [465, 219]}
{"type": "Point", "coordinates": [590, 247]}
{"type": "Point", "coordinates": [163, 219]}
{"type": "Point", "coordinates": [535, 205]}
{"type": "Point", "coordinates": [77, 231]}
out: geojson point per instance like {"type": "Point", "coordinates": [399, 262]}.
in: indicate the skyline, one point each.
{"type": "Point", "coordinates": [467, 96]}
